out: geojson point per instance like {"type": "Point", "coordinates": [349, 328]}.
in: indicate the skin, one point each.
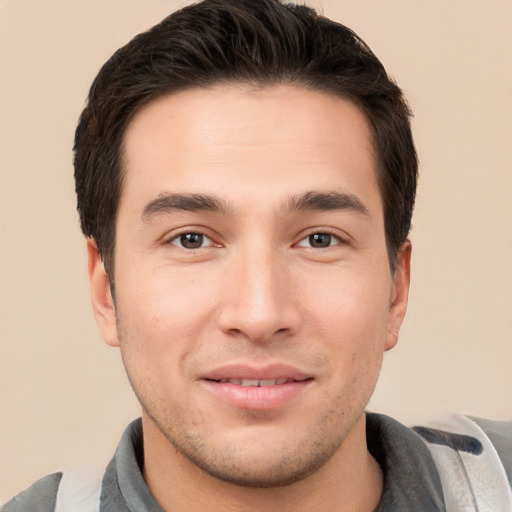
{"type": "Point", "coordinates": [257, 290]}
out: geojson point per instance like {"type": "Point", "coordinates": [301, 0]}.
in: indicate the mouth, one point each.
{"type": "Point", "coordinates": [257, 382]}
{"type": "Point", "coordinates": [244, 387]}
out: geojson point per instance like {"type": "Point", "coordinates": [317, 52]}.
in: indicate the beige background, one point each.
{"type": "Point", "coordinates": [64, 397]}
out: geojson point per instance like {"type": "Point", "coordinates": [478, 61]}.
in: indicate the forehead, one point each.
{"type": "Point", "coordinates": [234, 139]}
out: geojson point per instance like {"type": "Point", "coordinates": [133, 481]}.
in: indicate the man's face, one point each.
{"type": "Point", "coordinates": [254, 298]}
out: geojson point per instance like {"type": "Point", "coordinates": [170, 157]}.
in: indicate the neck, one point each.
{"type": "Point", "coordinates": [350, 481]}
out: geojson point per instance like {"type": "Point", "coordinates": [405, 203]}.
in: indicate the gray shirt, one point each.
{"type": "Point", "coordinates": [411, 480]}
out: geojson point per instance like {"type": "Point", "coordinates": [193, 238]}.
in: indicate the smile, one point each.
{"type": "Point", "coordinates": [256, 382]}
{"type": "Point", "coordinates": [264, 388]}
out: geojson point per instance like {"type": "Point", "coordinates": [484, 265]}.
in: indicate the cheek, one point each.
{"type": "Point", "coordinates": [161, 315]}
{"type": "Point", "coordinates": [351, 303]}
{"type": "Point", "coordinates": [348, 313]}
{"type": "Point", "coordinates": [165, 298]}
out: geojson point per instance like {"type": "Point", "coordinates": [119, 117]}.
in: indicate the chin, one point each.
{"type": "Point", "coordinates": [263, 458]}
{"type": "Point", "coordinates": [246, 470]}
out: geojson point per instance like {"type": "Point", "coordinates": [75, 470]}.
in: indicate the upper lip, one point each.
{"type": "Point", "coordinates": [251, 371]}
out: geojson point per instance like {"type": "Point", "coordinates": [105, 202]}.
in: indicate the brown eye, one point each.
{"type": "Point", "coordinates": [319, 241]}
{"type": "Point", "coordinates": [191, 241]}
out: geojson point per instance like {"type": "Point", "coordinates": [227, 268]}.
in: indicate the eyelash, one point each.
{"type": "Point", "coordinates": [331, 237]}
{"type": "Point", "coordinates": [179, 239]}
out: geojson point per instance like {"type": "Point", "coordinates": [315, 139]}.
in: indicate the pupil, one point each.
{"type": "Point", "coordinates": [320, 240]}
{"type": "Point", "coordinates": [191, 240]}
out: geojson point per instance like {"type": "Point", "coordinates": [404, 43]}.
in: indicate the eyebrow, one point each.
{"type": "Point", "coordinates": [308, 201]}
{"type": "Point", "coordinates": [167, 203]}
{"type": "Point", "coordinates": [325, 201]}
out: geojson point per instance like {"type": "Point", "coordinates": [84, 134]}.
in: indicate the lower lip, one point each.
{"type": "Point", "coordinates": [256, 397]}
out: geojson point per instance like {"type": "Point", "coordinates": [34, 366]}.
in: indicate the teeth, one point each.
{"type": "Point", "coordinates": [256, 382]}
{"type": "Point", "coordinates": [250, 382]}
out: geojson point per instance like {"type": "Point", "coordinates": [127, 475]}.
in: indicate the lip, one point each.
{"type": "Point", "coordinates": [264, 397]}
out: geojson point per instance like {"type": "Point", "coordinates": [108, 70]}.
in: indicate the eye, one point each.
{"type": "Point", "coordinates": [191, 241]}
{"type": "Point", "coordinates": [319, 241]}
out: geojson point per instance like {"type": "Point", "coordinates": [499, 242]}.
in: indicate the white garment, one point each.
{"type": "Point", "coordinates": [471, 482]}
{"type": "Point", "coordinates": [79, 491]}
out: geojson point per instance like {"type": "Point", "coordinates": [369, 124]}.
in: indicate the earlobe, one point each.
{"type": "Point", "coordinates": [101, 296]}
{"type": "Point", "coordinates": [399, 295]}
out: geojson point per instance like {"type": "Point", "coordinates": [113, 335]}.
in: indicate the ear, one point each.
{"type": "Point", "coordinates": [101, 296]}
{"type": "Point", "coordinates": [399, 295]}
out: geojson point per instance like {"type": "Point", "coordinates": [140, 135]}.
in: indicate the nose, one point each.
{"type": "Point", "coordinates": [260, 300]}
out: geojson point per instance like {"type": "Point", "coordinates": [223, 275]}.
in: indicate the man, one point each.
{"type": "Point", "coordinates": [246, 176]}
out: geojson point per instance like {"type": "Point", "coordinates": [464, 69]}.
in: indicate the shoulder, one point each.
{"type": "Point", "coordinates": [448, 463]}
{"type": "Point", "coordinates": [93, 487]}
{"type": "Point", "coordinates": [40, 496]}
{"type": "Point", "coordinates": [500, 435]}
{"type": "Point", "coordinates": [473, 458]}
{"type": "Point", "coordinates": [60, 492]}
{"type": "Point", "coordinates": [471, 435]}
